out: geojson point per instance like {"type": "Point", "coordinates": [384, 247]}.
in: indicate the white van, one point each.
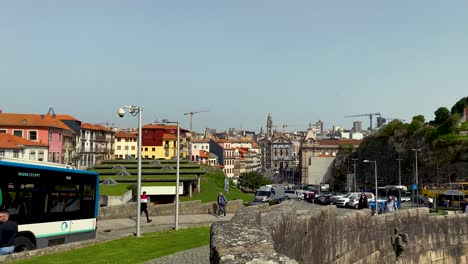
{"type": "Point", "coordinates": [270, 193]}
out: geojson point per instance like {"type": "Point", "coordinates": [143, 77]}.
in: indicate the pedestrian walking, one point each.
{"type": "Point", "coordinates": [390, 205]}
{"type": "Point", "coordinates": [8, 232]}
{"type": "Point", "coordinates": [362, 204]}
{"type": "Point", "coordinates": [222, 201]}
{"type": "Point", "coordinates": [144, 206]}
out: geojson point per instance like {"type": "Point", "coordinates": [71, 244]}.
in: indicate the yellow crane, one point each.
{"type": "Point", "coordinates": [191, 116]}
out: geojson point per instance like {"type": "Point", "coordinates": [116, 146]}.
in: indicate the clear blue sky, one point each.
{"type": "Point", "coordinates": [300, 60]}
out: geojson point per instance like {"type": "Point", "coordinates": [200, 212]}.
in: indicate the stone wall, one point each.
{"type": "Point", "coordinates": [357, 237]}
{"type": "Point", "coordinates": [192, 207]}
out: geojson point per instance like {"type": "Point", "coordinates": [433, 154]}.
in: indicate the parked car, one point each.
{"type": "Point", "coordinates": [335, 197]}
{"type": "Point", "coordinates": [324, 199]}
{"type": "Point", "coordinates": [290, 194]}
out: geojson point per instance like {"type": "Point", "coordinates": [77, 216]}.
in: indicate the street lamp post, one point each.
{"type": "Point", "coordinates": [354, 174]}
{"type": "Point", "coordinates": [376, 184]}
{"type": "Point", "coordinates": [416, 175]}
{"type": "Point", "coordinates": [165, 121]}
{"type": "Point", "coordinates": [399, 176]}
{"type": "Point", "coordinates": [135, 110]}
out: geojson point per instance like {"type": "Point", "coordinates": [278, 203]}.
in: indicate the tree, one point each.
{"type": "Point", "coordinates": [252, 180]}
{"type": "Point", "coordinates": [458, 107]}
{"type": "Point", "coordinates": [441, 115]}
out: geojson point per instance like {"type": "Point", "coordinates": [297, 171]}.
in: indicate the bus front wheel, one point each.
{"type": "Point", "coordinates": [23, 243]}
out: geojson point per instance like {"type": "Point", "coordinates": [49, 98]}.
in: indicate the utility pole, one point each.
{"type": "Point", "coordinates": [416, 176]}
{"type": "Point", "coordinates": [355, 174]}
{"type": "Point", "coordinates": [399, 177]}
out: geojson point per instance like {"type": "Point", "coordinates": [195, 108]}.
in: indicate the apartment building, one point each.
{"type": "Point", "coordinates": [126, 145]}
{"type": "Point", "coordinates": [160, 142]}
{"type": "Point", "coordinates": [12, 146]}
{"type": "Point", "coordinates": [97, 143]}
{"type": "Point", "coordinates": [225, 152]}
{"type": "Point", "coordinates": [44, 129]}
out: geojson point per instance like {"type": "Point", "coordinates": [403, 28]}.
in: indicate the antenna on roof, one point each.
{"type": "Point", "coordinates": [51, 111]}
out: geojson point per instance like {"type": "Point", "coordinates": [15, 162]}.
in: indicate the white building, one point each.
{"type": "Point", "coordinates": [19, 148]}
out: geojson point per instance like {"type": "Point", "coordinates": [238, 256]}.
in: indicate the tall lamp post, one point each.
{"type": "Point", "coordinates": [165, 121]}
{"type": "Point", "coordinates": [136, 110]}
{"type": "Point", "coordinates": [416, 175]}
{"type": "Point", "coordinates": [376, 184]}
{"type": "Point", "coordinates": [354, 174]}
{"type": "Point", "coordinates": [399, 176]}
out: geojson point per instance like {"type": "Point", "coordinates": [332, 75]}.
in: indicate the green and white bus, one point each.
{"type": "Point", "coordinates": [52, 204]}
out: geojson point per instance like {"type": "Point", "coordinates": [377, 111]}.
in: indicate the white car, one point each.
{"type": "Point", "coordinates": [290, 194]}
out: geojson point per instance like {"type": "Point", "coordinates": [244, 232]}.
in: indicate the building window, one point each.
{"type": "Point", "coordinates": [2, 131]}
{"type": "Point", "coordinates": [146, 149]}
{"type": "Point", "coordinates": [16, 154]}
{"type": "Point", "coordinates": [32, 135]}
{"type": "Point", "coordinates": [50, 136]}
{"type": "Point", "coordinates": [166, 153]}
{"type": "Point", "coordinates": [119, 147]}
{"type": "Point", "coordinates": [195, 147]}
{"type": "Point", "coordinates": [2, 153]}
{"type": "Point", "coordinates": [18, 133]}
{"type": "Point", "coordinates": [40, 156]}
{"type": "Point", "coordinates": [133, 147]}
{"type": "Point", "coordinates": [153, 149]}
{"type": "Point", "coordinates": [310, 161]}
{"type": "Point", "coordinates": [126, 147]}
{"type": "Point", "coordinates": [32, 155]}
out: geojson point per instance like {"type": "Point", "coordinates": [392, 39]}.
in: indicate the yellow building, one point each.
{"type": "Point", "coordinates": [160, 142]}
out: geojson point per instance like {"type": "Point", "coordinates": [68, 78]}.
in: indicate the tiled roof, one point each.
{"type": "Point", "coordinates": [124, 134]}
{"type": "Point", "coordinates": [339, 142]}
{"type": "Point", "coordinates": [169, 136]}
{"type": "Point", "coordinates": [89, 126]}
{"type": "Point", "coordinates": [8, 141]}
{"type": "Point", "coordinates": [31, 120]}
{"type": "Point", "coordinates": [204, 154]}
{"type": "Point", "coordinates": [66, 117]}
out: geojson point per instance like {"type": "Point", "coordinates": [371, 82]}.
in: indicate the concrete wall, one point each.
{"type": "Point", "coordinates": [115, 200]}
{"type": "Point", "coordinates": [192, 207]}
{"type": "Point", "coordinates": [358, 237]}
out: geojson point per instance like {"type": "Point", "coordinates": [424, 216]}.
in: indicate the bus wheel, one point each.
{"type": "Point", "coordinates": [23, 243]}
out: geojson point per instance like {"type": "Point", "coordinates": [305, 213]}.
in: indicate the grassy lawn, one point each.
{"type": "Point", "coordinates": [132, 249]}
{"type": "Point", "coordinates": [212, 184]}
{"type": "Point", "coordinates": [121, 188]}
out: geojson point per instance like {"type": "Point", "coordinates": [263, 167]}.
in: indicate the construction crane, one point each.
{"type": "Point", "coordinates": [191, 116]}
{"type": "Point", "coordinates": [370, 115]}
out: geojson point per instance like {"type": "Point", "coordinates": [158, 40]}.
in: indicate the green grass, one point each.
{"type": "Point", "coordinates": [131, 249]}
{"type": "Point", "coordinates": [121, 188]}
{"type": "Point", "coordinates": [212, 183]}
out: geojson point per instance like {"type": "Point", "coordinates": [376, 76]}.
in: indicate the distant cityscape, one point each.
{"type": "Point", "coordinates": [293, 157]}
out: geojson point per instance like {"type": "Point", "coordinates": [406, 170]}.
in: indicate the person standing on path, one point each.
{"type": "Point", "coordinates": [8, 231]}
{"type": "Point", "coordinates": [222, 201]}
{"type": "Point", "coordinates": [144, 206]}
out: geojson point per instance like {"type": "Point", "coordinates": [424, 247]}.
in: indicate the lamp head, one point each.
{"type": "Point", "coordinates": [121, 112]}
{"type": "Point", "coordinates": [366, 161]}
